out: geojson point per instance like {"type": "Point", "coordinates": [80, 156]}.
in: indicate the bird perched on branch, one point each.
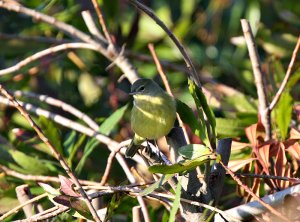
{"type": "Point", "coordinates": [153, 113]}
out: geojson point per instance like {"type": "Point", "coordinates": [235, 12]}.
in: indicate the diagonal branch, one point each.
{"type": "Point", "coordinates": [192, 70]}
{"type": "Point", "coordinates": [259, 82]}
{"type": "Point", "coordinates": [102, 47]}
{"type": "Point", "coordinates": [58, 103]}
{"type": "Point", "coordinates": [17, 208]}
{"type": "Point", "coordinates": [286, 77]}
{"type": "Point", "coordinates": [56, 154]}
{"type": "Point", "coordinates": [111, 144]}
{"type": "Point", "coordinates": [101, 20]}
{"type": "Point", "coordinates": [257, 198]}
{"type": "Point", "coordinates": [167, 86]}
{"type": "Point", "coordinates": [90, 24]}
{"type": "Point", "coordinates": [38, 55]}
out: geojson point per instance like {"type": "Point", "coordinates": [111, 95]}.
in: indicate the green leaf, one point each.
{"type": "Point", "coordinates": [253, 14]}
{"type": "Point", "coordinates": [5, 147]}
{"type": "Point", "coordinates": [219, 158]}
{"type": "Point", "coordinates": [231, 127]}
{"type": "Point", "coordinates": [113, 205]}
{"type": "Point", "coordinates": [52, 133]}
{"type": "Point", "coordinates": [69, 142]}
{"type": "Point", "coordinates": [7, 203]}
{"type": "Point", "coordinates": [75, 203]}
{"type": "Point", "coordinates": [207, 110]}
{"type": "Point", "coordinates": [185, 165]}
{"type": "Point", "coordinates": [294, 79]}
{"type": "Point", "coordinates": [156, 185]}
{"type": "Point", "coordinates": [81, 207]}
{"type": "Point", "coordinates": [241, 103]}
{"type": "Point", "coordinates": [108, 125]}
{"type": "Point", "coordinates": [90, 146]}
{"type": "Point", "coordinates": [89, 89]}
{"type": "Point", "coordinates": [283, 113]}
{"type": "Point", "coordinates": [72, 144]}
{"type": "Point", "coordinates": [51, 192]}
{"type": "Point", "coordinates": [188, 117]}
{"type": "Point", "coordinates": [193, 151]}
{"type": "Point", "coordinates": [31, 165]}
{"type": "Point", "coordinates": [203, 110]}
{"type": "Point", "coordinates": [165, 216]}
{"type": "Point", "coordinates": [176, 202]}
{"type": "Point", "coordinates": [279, 44]}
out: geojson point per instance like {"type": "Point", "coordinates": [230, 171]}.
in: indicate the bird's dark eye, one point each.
{"type": "Point", "coordinates": [141, 89]}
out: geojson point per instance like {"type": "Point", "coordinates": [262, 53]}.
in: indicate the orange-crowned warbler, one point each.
{"type": "Point", "coordinates": [153, 113]}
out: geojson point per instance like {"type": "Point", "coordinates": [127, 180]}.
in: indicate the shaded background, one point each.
{"type": "Point", "coordinates": [210, 31]}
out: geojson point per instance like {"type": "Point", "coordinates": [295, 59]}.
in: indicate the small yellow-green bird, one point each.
{"type": "Point", "coordinates": [153, 113]}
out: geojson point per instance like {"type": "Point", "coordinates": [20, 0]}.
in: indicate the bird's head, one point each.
{"type": "Point", "coordinates": [144, 87]}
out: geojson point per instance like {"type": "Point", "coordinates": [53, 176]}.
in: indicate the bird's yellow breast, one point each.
{"type": "Point", "coordinates": [153, 117]}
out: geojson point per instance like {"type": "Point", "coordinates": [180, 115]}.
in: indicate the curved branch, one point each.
{"type": "Point", "coordinates": [38, 55]}
{"type": "Point", "coordinates": [54, 151]}
{"type": "Point", "coordinates": [109, 52]}
{"type": "Point", "coordinates": [64, 106]}
{"type": "Point", "coordinates": [286, 77]}
{"type": "Point", "coordinates": [192, 70]}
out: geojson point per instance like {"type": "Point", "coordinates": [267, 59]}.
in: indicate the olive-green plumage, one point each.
{"type": "Point", "coordinates": [153, 113]}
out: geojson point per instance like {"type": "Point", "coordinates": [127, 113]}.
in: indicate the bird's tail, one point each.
{"type": "Point", "coordinates": [134, 146]}
{"type": "Point", "coordinates": [131, 150]}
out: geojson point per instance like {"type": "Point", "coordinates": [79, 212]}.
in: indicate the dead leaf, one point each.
{"type": "Point", "coordinates": [294, 150]}
{"type": "Point", "coordinates": [263, 155]}
{"type": "Point", "coordinates": [235, 165]}
{"type": "Point", "coordinates": [67, 186]}
{"type": "Point", "coordinates": [251, 134]}
{"type": "Point", "coordinates": [294, 134]}
{"type": "Point", "coordinates": [239, 145]}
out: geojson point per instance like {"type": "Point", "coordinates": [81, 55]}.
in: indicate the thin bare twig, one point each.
{"type": "Point", "coordinates": [111, 144]}
{"type": "Point", "coordinates": [39, 178]}
{"type": "Point", "coordinates": [16, 209]}
{"type": "Point", "coordinates": [195, 203]}
{"type": "Point", "coordinates": [87, 184]}
{"type": "Point", "coordinates": [167, 86]}
{"type": "Point", "coordinates": [136, 214]}
{"type": "Point", "coordinates": [286, 77]}
{"type": "Point", "coordinates": [159, 196]}
{"type": "Point", "coordinates": [24, 195]}
{"type": "Point", "coordinates": [166, 64]}
{"type": "Point", "coordinates": [160, 69]}
{"type": "Point", "coordinates": [110, 160]}
{"type": "Point", "coordinates": [290, 179]}
{"type": "Point", "coordinates": [259, 81]}
{"type": "Point", "coordinates": [56, 154]}
{"type": "Point", "coordinates": [66, 28]}
{"type": "Point", "coordinates": [38, 55]}
{"type": "Point", "coordinates": [247, 189]}
{"type": "Point", "coordinates": [192, 70]}
{"type": "Point", "coordinates": [47, 214]}
{"type": "Point", "coordinates": [101, 20]}
{"type": "Point", "coordinates": [64, 106]}
{"type": "Point", "coordinates": [89, 22]}
{"type": "Point", "coordinates": [94, 31]}
{"type": "Point", "coordinates": [102, 47]}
